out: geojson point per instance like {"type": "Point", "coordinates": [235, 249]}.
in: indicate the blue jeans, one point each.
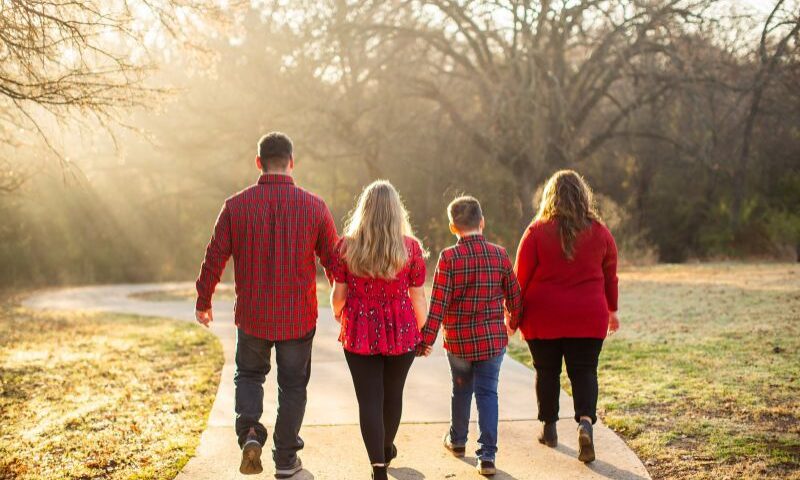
{"type": "Point", "coordinates": [294, 370]}
{"type": "Point", "coordinates": [480, 378]}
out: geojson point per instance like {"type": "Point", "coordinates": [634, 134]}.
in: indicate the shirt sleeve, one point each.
{"type": "Point", "coordinates": [610, 272]}
{"type": "Point", "coordinates": [511, 290]}
{"type": "Point", "coordinates": [338, 269]}
{"type": "Point", "coordinates": [327, 238]}
{"type": "Point", "coordinates": [527, 260]}
{"type": "Point", "coordinates": [416, 266]}
{"type": "Point", "coordinates": [440, 301]}
{"type": "Point", "coordinates": [218, 252]}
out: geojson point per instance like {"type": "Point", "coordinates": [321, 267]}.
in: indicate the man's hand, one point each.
{"type": "Point", "coordinates": [424, 350]}
{"type": "Point", "coordinates": [204, 317]}
{"type": "Point", "coordinates": [613, 323]}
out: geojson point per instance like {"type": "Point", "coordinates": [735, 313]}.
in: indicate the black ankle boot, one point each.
{"type": "Point", "coordinates": [390, 454]}
{"type": "Point", "coordinates": [549, 434]}
{"type": "Point", "coordinates": [379, 473]}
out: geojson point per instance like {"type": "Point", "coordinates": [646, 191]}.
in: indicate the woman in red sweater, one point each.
{"type": "Point", "coordinates": [567, 269]}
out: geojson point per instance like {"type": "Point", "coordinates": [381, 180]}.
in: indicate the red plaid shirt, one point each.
{"type": "Point", "coordinates": [273, 230]}
{"type": "Point", "coordinates": [472, 280]}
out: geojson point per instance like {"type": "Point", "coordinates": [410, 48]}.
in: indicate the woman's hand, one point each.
{"type": "Point", "coordinates": [613, 323]}
{"type": "Point", "coordinates": [510, 331]}
{"type": "Point", "coordinates": [419, 304]}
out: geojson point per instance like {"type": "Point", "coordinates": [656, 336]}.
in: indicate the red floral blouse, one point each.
{"type": "Point", "coordinates": [378, 318]}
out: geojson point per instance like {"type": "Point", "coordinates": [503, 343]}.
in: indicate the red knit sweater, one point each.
{"type": "Point", "coordinates": [566, 298]}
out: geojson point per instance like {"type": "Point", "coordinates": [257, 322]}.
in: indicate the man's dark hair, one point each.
{"type": "Point", "coordinates": [275, 151]}
{"type": "Point", "coordinates": [465, 213]}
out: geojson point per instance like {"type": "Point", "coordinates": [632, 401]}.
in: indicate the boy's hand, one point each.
{"type": "Point", "coordinates": [204, 317]}
{"type": "Point", "coordinates": [510, 331]}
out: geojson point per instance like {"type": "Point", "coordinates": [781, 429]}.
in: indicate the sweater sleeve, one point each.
{"type": "Point", "coordinates": [513, 302]}
{"type": "Point", "coordinates": [527, 260]}
{"type": "Point", "coordinates": [610, 272]}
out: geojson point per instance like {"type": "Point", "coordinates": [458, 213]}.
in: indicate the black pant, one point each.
{"type": "Point", "coordinates": [581, 356]}
{"type": "Point", "coordinates": [294, 370]}
{"type": "Point", "coordinates": [379, 382]}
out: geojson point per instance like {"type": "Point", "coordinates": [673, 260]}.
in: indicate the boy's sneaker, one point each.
{"type": "Point", "coordinates": [288, 472]}
{"type": "Point", "coordinates": [549, 435]}
{"type": "Point", "coordinates": [251, 455]}
{"type": "Point", "coordinates": [457, 450]}
{"type": "Point", "coordinates": [585, 442]}
{"type": "Point", "coordinates": [486, 467]}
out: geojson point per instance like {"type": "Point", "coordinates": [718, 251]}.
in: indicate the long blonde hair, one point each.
{"type": "Point", "coordinates": [374, 244]}
{"type": "Point", "coordinates": [568, 199]}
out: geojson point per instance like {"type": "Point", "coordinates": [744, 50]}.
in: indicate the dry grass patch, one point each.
{"type": "Point", "coordinates": [102, 396]}
{"type": "Point", "coordinates": [223, 292]}
{"type": "Point", "coordinates": [703, 380]}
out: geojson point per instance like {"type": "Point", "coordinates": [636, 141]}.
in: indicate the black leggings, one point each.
{"type": "Point", "coordinates": [581, 356]}
{"type": "Point", "coordinates": [379, 382]}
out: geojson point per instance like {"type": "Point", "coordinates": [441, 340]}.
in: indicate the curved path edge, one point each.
{"type": "Point", "coordinates": [330, 429]}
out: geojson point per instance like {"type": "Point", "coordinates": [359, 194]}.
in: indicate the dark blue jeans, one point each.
{"type": "Point", "coordinates": [480, 378]}
{"type": "Point", "coordinates": [293, 358]}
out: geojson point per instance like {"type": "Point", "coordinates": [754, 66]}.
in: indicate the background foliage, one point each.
{"type": "Point", "coordinates": [683, 114]}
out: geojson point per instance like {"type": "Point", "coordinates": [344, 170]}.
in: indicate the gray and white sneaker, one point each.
{"type": "Point", "coordinates": [457, 450]}
{"type": "Point", "coordinates": [251, 455]}
{"type": "Point", "coordinates": [486, 467]}
{"type": "Point", "coordinates": [289, 472]}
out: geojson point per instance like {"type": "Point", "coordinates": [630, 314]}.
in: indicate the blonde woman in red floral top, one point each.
{"type": "Point", "coordinates": [380, 302]}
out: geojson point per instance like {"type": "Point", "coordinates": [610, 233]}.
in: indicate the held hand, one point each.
{"type": "Point", "coordinates": [204, 317]}
{"type": "Point", "coordinates": [613, 323]}
{"type": "Point", "coordinates": [510, 331]}
{"type": "Point", "coordinates": [423, 350]}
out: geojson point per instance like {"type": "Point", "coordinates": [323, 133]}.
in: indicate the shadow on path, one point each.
{"type": "Point", "coordinates": [600, 467]}
{"type": "Point", "coordinates": [500, 475]}
{"type": "Point", "coordinates": [406, 473]}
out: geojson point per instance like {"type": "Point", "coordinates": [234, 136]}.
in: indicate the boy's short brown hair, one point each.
{"type": "Point", "coordinates": [465, 213]}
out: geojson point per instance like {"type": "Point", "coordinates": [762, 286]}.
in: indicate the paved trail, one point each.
{"type": "Point", "coordinates": [333, 442]}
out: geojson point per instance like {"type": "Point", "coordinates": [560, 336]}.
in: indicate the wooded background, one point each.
{"type": "Point", "coordinates": [124, 125]}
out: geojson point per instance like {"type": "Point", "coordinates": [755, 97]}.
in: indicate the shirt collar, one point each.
{"type": "Point", "coordinates": [477, 237]}
{"type": "Point", "coordinates": [275, 178]}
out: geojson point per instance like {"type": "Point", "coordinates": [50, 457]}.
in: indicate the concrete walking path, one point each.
{"type": "Point", "coordinates": [333, 441]}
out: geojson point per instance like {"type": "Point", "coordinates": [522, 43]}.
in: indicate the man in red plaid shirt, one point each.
{"type": "Point", "coordinates": [472, 281]}
{"type": "Point", "coordinates": [274, 230]}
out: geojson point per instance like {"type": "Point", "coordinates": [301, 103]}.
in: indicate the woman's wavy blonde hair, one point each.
{"type": "Point", "coordinates": [568, 199]}
{"type": "Point", "coordinates": [374, 243]}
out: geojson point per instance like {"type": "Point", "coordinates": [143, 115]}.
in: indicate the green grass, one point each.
{"type": "Point", "coordinates": [100, 395]}
{"type": "Point", "coordinates": [703, 379]}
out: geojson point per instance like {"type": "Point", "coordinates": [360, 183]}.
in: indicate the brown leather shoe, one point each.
{"type": "Point", "coordinates": [251, 455]}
